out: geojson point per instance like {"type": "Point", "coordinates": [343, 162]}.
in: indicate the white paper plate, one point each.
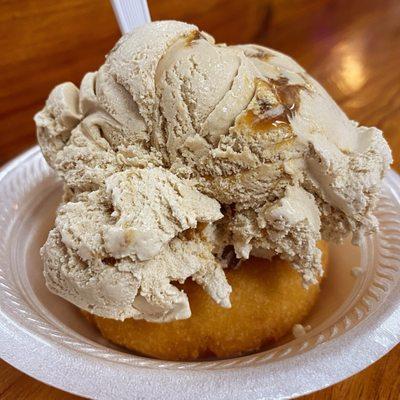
{"type": "Point", "coordinates": [356, 321]}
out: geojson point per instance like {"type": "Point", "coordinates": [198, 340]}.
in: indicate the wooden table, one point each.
{"type": "Point", "coordinates": [351, 47]}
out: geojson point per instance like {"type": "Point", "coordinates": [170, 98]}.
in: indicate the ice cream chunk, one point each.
{"type": "Point", "coordinates": [151, 206]}
{"type": "Point", "coordinates": [288, 227]}
{"type": "Point", "coordinates": [123, 241]}
{"type": "Point", "coordinates": [127, 288]}
{"type": "Point", "coordinates": [56, 121]}
{"type": "Point", "coordinates": [179, 151]}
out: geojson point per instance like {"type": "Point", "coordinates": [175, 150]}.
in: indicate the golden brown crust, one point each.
{"type": "Point", "coordinates": [268, 298]}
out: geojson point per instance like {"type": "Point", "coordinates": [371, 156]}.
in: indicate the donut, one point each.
{"type": "Point", "coordinates": [268, 298]}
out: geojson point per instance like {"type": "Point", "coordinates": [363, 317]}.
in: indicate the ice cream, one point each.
{"type": "Point", "coordinates": [179, 149]}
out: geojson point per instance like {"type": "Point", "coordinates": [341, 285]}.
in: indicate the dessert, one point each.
{"type": "Point", "coordinates": [181, 157]}
{"type": "Point", "coordinates": [268, 298]}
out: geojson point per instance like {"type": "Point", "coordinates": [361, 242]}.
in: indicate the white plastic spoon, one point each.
{"type": "Point", "coordinates": [131, 13]}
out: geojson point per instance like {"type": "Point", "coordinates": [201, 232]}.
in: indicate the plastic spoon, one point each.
{"type": "Point", "coordinates": [131, 13]}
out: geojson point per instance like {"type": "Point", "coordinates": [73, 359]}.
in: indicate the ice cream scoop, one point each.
{"type": "Point", "coordinates": [178, 148]}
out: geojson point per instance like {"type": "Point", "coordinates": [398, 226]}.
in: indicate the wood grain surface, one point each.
{"type": "Point", "coordinates": [351, 47]}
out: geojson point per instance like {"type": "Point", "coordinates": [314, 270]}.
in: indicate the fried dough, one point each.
{"type": "Point", "coordinates": [268, 298]}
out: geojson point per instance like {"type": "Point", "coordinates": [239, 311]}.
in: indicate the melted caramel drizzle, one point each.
{"type": "Point", "coordinates": [257, 124]}
{"type": "Point", "coordinates": [191, 37]}
{"type": "Point", "coordinates": [288, 97]}
{"type": "Point", "coordinates": [261, 55]}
